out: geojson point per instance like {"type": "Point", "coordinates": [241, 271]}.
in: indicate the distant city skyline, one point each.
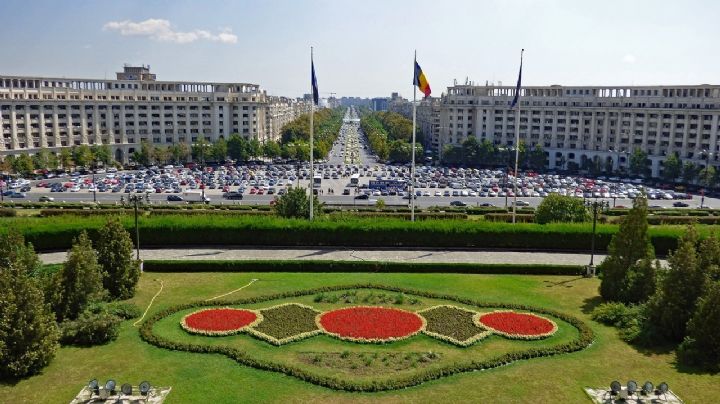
{"type": "Point", "coordinates": [365, 49]}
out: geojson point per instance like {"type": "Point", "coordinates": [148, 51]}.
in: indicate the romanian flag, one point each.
{"type": "Point", "coordinates": [420, 80]}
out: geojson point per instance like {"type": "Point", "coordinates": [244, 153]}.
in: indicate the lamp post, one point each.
{"type": "Point", "coordinates": [136, 199]}
{"type": "Point", "coordinates": [707, 183]}
{"type": "Point", "coordinates": [595, 206]}
{"type": "Point", "coordinates": [94, 184]}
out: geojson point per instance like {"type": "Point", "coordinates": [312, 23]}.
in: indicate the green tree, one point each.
{"type": "Point", "coordinates": [66, 159]}
{"type": "Point", "coordinates": [114, 249]}
{"type": "Point", "coordinates": [219, 150]}
{"type": "Point", "coordinates": [254, 148]}
{"type": "Point", "coordinates": [672, 168]}
{"type": "Point", "coordinates": [23, 164]}
{"type": "Point", "coordinates": [201, 150]}
{"type": "Point", "coordinates": [53, 161]}
{"type": "Point", "coordinates": [41, 159]}
{"type": "Point", "coordinates": [628, 273]}
{"type": "Point", "coordinates": [82, 155]}
{"type": "Point", "coordinates": [706, 177]}
{"type": "Point", "coordinates": [538, 159]}
{"type": "Point", "coordinates": [160, 154]}
{"type": "Point", "coordinates": [560, 208]}
{"type": "Point", "coordinates": [639, 162]}
{"type": "Point", "coordinates": [689, 172]}
{"type": "Point", "coordinates": [79, 282]}
{"type": "Point", "coordinates": [179, 152]}
{"type": "Point", "coordinates": [296, 204]}
{"type": "Point", "coordinates": [28, 332]}
{"type": "Point", "coordinates": [102, 153]}
{"type": "Point", "coordinates": [144, 156]}
{"type": "Point", "coordinates": [681, 285]}
{"type": "Point", "coordinates": [237, 147]}
{"type": "Point", "coordinates": [701, 346]}
{"type": "Point", "coordinates": [271, 149]}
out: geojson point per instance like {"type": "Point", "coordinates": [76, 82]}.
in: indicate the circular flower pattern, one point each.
{"type": "Point", "coordinates": [223, 321]}
{"type": "Point", "coordinates": [370, 324]}
{"type": "Point", "coordinates": [517, 325]}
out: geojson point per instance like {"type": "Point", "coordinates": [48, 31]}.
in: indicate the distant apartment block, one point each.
{"type": "Point", "coordinates": [52, 113]}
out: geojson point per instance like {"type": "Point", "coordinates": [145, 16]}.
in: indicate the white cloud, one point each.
{"type": "Point", "coordinates": [630, 59]}
{"type": "Point", "coordinates": [160, 30]}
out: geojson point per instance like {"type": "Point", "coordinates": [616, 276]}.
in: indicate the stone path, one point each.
{"type": "Point", "coordinates": [347, 254]}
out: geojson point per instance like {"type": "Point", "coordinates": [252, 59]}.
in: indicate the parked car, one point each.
{"type": "Point", "coordinates": [233, 195]}
{"type": "Point", "coordinates": [362, 196]}
{"type": "Point", "coordinates": [46, 198]}
{"type": "Point", "coordinates": [680, 204]}
{"type": "Point", "coordinates": [458, 203]}
{"type": "Point", "coordinates": [522, 203]}
{"type": "Point", "coordinates": [174, 198]}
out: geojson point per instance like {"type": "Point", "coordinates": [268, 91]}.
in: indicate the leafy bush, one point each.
{"type": "Point", "coordinates": [124, 310]}
{"type": "Point", "coordinates": [507, 217]}
{"type": "Point", "coordinates": [6, 212]}
{"type": "Point", "coordinates": [90, 328]}
{"type": "Point", "coordinates": [628, 319]}
{"type": "Point", "coordinates": [561, 208]}
{"type": "Point", "coordinates": [115, 255]}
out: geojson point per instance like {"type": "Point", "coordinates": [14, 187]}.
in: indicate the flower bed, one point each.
{"type": "Point", "coordinates": [286, 323]}
{"type": "Point", "coordinates": [453, 324]}
{"type": "Point", "coordinates": [370, 324]}
{"type": "Point", "coordinates": [517, 325]}
{"type": "Point", "coordinates": [218, 322]}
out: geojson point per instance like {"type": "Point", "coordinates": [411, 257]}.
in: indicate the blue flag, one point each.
{"type": "Point", "coordinates": [517, 89]}
{"type": "Point", "coordinates": [313, 81]}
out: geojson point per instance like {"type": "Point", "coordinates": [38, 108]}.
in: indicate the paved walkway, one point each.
{"type": "Point", "coordinates": [347, 254]}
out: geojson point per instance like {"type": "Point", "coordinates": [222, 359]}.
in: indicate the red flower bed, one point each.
{"type": "Point", "coordinates": [518, 325]}
{"type": "Point", "coordinates": [219, 321]}
{"type": "Point", "coordinates": [370, 324]}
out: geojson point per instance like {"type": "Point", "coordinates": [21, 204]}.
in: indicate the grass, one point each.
{"type": "Point", "coordinates": [214, 378]}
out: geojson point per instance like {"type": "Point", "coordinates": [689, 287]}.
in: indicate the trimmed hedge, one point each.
{"type": "Point", "coordinates": [507, 217]}
{"type": "Point", "coordinates": [7, 212]}
{"type": "Point", "coordinates": [356, 266]}
{"type": "Point", "coordinates": [237, 230]}
{"type": "Point", "coordinates": [585, 338]}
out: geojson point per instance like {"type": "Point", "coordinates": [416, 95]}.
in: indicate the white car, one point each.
{"type": "Point", "coordinates": [76, 188]}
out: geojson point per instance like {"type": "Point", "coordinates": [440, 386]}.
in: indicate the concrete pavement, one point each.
{"type": "Point", "coordinates": [348, 254]}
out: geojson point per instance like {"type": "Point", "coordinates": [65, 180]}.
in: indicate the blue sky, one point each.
{"type": "Point", "coordinates": [365, 48]}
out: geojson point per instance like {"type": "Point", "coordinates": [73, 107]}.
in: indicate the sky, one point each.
{"type": "Point", "coordinates": [365, 48]}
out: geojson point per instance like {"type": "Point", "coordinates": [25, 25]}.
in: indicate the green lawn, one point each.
{"type": "Point", "coordinates": [215, 378]}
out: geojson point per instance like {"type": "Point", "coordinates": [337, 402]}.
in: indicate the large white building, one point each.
{"type": "Point", "coordinates": [51, 113]}
{"type": "Point", "coordinates": [587, 122]}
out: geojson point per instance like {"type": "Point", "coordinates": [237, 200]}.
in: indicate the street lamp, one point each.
{"type": "Point", "coordinates": [595, 206]}
{"type": "Point", "coordinates": [136, 199]}
{"type": "Point", "coordinates": [707, 183]}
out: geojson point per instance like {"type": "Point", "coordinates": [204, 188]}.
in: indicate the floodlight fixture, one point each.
{"type": "Point", "coordinates": [632, 387]}
{"type": "Point", "coordinates": [144, 388]}
{"type": "Point", "coordinates": [615, 388]}
{"type": "Point", "coordinates": [110, 386]}
{"type": "Point", "coordinates": [126, 389]}
{"type": "Point", "coordinates": [663, 389]}
{"type": "Point", "coordinates": [648, 388]}
{"type": "Point", "coordinates": [94, 387]}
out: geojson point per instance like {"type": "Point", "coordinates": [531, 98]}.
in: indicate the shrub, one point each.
{"type": "Point", "coordinates": [561, 208]}
{"type": "Point", "coordinates": [296, 204]}
{"type": "Point", "coordinates": [90, 328]}
{"type": "Point", "coordinates": [6, 212]}
{"type": "Point", "coordinates": [507, 217]}
{"type": "Point", "coordinates": [628, 319]}
{"type": "Point", "coordinates": [124, 310]}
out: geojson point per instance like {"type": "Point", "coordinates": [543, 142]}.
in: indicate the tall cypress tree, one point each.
{"type": "Point", "coordinates": [114, 250]}
{"type": "Point", "coordinates": [702, 343]}
{"type": "Point", "coordinates": [79, 281]}
{"type": "Point", "coordinates": [628, 273]}
{"type": "Point", "coordinates": [682, 284]}
{"type": "Point", "coordinates": [28, 332]}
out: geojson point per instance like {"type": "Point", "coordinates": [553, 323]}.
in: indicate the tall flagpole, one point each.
{"type": "Point", "coordinates": [312, 129]}
{"type": "Point", "coordinates": [412, 167]}
{"type": "Point", "coordinates": [517, 141]}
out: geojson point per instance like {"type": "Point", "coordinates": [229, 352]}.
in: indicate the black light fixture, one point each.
{"type": "Point", "coordinates": [663, 389]}
{"type": "Point", "coordinates": [144, 388]}
{"type": "Point", "coordinates": [94, 387]}
{"type": "Point", "coordinates": [110, 387]}
{"type": "Point", "coordinates": [615, 388]}
{"type": "Point", "coordinates": [632, 387]}
{"type": "Point", "coordinates": [647, 388]}
{"type": "Point", "coordinates": [126, 389]}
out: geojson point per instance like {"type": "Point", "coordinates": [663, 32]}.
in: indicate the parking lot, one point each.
{"type": "Point", "coordinates": [350, 176]}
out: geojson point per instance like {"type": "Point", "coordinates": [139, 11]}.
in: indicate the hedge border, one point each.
{"type": "Point", "coordinates": [323, 266]}
{"type": "Point", "coordinates": [585, 338]}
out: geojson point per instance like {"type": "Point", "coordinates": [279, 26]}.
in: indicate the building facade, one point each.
{"type": "Point", "coordinates": [280, 111]}
{"type": "Point", "coordinates": [428, 122]}
{"type": "Point", "coordinates": [589, 122]}
{"type": "Point", "coordinates": [52, 113]}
